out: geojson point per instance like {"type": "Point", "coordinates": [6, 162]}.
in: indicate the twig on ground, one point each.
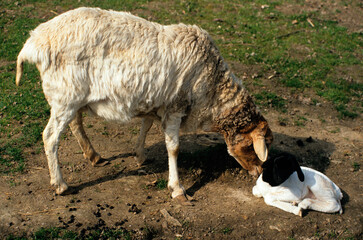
{"type": "Point", "coordinates": [289, 34]}
{"type": "Point", "coordinates": [40, 212]}
{"type": "Point", "coordinates": [310, 22]}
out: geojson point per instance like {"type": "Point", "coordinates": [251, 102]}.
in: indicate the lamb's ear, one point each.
{"type": "Point", "coordinates": [300, 174]}
{"type": "Point", "coordinates": [267, 164]}
{"type": "Point", "coordinates": [259, 145]}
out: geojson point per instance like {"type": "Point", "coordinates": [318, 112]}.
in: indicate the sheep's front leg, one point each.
{"type": "Point", "coordinates": [56, 125]}
{"type": "Point", "coordinates": [88, 151]}
{"type": "Point", "coordinates": [171, 130]}
{"type": "Point", "coordinates": [140, 144]}
{"type": "Point", "coordinates": [286, 206]}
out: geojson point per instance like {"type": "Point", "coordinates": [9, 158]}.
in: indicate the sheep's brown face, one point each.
{"type": "Point", "coordinates": [251, 149]}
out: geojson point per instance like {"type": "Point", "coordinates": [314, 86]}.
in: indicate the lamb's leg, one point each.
{"type": "Point", "coordinates": [88, 151]}
{"type": "Point", "coordinates": [328, 206]}
{"type": "Point", "coordinates": [286, 206]}
{"type": "Point", "coordinates": [171, 130]}
{"type": "Point", "coordinates": [140, 150]}
{"type": "Point", "coordinates": [57, 123]}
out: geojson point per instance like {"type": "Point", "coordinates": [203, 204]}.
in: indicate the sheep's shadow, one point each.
{"type": "Point", "coordinates": [214, 159]}
{"type": "Point", "coordinates": [207, 153]}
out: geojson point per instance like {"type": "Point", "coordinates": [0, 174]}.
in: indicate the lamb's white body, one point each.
{"type": "Point", "coordinates": [316, 192]}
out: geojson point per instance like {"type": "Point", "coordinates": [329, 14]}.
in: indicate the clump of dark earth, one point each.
{"type": "Point", "coordinates": [97, 213]}
{"type": "Point", "coordinates": [134, 209]}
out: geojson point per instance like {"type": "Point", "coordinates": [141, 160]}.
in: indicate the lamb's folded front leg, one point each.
{"type": "Point", "coordinates": [286, 206]}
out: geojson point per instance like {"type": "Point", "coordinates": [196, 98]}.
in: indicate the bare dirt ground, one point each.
{"type": "Point", "coordinates": [224, 207]}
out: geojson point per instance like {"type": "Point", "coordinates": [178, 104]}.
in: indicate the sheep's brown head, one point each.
{"type": "Point", "coordinates": [250, 149]}
{"type": "Point", "coordinates": [247, 135]}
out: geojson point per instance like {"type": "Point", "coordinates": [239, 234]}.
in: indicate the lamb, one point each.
{"type": "Point", "coordinates": [286, 185]}
{"type": "Point", "coordinates": [119, 66]}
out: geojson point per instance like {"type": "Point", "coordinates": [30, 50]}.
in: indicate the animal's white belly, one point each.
{"type": "Point", "coordinates": [111, 111]}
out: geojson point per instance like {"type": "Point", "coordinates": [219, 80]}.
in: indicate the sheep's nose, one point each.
{"type": "Point", "coordinates": [256, 171]}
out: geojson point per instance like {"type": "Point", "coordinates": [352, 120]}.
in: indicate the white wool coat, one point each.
{"type": "Point", "coordinates": [169, 68]}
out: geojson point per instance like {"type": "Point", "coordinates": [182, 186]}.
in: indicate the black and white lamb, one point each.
{"type": "Point", "coordinates": [286, 185]}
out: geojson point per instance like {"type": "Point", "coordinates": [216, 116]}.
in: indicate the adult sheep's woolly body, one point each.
{"type": "Point", "coordinates": [83, 59]}
{"type": "Point", "coordinates": [120, 66]}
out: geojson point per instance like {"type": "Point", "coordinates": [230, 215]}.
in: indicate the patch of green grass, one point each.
{"type": "Point", "coordinates": [105, 132]}
{"type": "Point", "coordinates": [283, 121]}
{"type": "Point", "coordinates": [356, 166]}
{"type": "Point", "coordinates": [300, 121]}
{"type": "Point", "coordinates": [134, 130]}
{"type": "Point", "coordinates": [109, 234]}
{"type": "Point", "coordinates": [269, 99]}
{"type": "Point", "coordinates": [336, 130]}
{"type": "Point", "coordinates": [161, 184]}
{"type": "Point", "coordinates": [58, 233]}
{"type": "Point", "coordinates": [227, 230]}
{"type": "Point", "coordinates": [47, 233]}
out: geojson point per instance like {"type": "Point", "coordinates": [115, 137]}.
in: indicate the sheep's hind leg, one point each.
{"type": "Point", "coordinates": [171, 130]}
{"type": "Point", "coordinates": [88, 151]}
{"type": "Point", "coordinates": [57, 123]}
{"type": "Point", "coordinates": [327, 206]}
{"type": "Point", "coordinates": [140, 144]}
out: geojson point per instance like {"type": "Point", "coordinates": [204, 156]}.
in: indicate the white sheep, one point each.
{"type": "Point", "coordinates": [286, 185]}
{"type": "Point", "coordinates": [119, 66]}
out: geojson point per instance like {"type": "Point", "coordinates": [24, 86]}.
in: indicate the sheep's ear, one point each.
{"type": "Point", "coordinates": [259, 145]}
{"type": "Point", "coordinates": [300, 174]}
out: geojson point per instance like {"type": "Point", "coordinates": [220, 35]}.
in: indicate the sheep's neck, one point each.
{"type": "Point", "coordinates": [237, 113]}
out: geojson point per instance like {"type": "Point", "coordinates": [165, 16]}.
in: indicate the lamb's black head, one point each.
{"type": "Point", "coordinates": [279, 169]}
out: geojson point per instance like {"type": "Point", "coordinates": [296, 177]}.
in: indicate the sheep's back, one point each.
{"type": "Point", "coordinates": [99, 55]}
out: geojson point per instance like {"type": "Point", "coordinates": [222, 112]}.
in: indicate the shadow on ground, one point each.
{"type": "Point", "coordinates": [207, 154]}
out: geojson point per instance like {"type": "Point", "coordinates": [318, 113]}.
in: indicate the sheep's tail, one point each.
{"type": "Point", "coordinates": [19, 69]}
{"type": "Point", "coordinates": [33, 53]}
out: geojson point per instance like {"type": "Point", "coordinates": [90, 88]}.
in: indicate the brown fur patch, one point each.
{"type": "Point", "coordinates": [240, 144]}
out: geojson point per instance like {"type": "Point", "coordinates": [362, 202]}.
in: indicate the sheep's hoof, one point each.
{"type": "Point", "coordinates": [300, 213]}
{"type": "Point", "coordinates": [140, 160]}
{"type": "Point", "coordinates": [100, 162]}
{"type": "Point", "coordinates": [61, 189]}
{"type": "Point", "coordinates": [184, 200]}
